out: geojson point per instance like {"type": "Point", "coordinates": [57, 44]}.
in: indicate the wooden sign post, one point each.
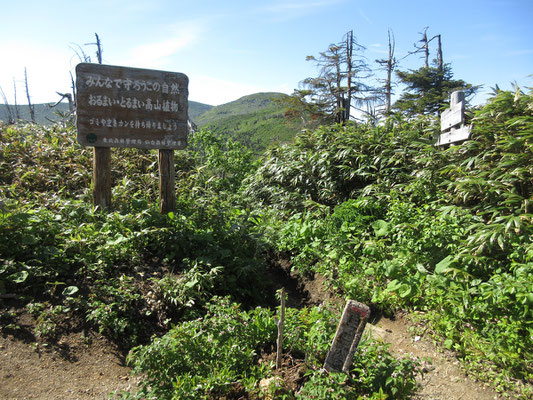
{"type": "Point", "coordinates": [131, 107]}
{"type": "Point", "coordinates": [452, 121]}
{"type": "Point", "coordinates": [347, 337]}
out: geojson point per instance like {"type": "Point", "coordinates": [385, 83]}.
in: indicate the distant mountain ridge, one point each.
{"type": "Point", "coordinates": [43, 113]}
{"type": "Point", "coordinates": [256, 119]}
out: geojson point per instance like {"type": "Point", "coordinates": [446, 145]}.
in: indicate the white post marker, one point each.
{"type": "Point", "coordinates": [452, 121]}
{"type": "Point", "coordinates": [347, 337]}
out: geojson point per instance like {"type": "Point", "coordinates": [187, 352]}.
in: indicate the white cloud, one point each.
{"type": "Point", "coordinates": [365, 17]}
{"type": "Point", "coordinates": [156, 54]}
{"type": "Point", "coordinates": [522, 52]}
{"type": "Point", "coordinates": [378, 48]}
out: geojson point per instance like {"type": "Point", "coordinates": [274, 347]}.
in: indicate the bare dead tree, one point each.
{"type": "Point", "coordinates": [30, 106]}
{"type": "Point", "coordinates": [99, 48]}
{"type": "Point", "coordinates": [71, 106]}
{"type": "Point", "coordinates": [425, 47]}
{"type": "Point", "coordinates": [82, 56]}
{"type": "Point", "coordinates": [17, 112]}
{"type": "Point", "coordinates": [9, 111]}
{"type": "Point", "coordinates": [389, 63]}
{"type": "Point", "coordinates": [440, 62]}
{"type": "Point", "coordinates": [67, 96]}
{"type": "Point", "coordinates": [73, 86]}
{"type": "Point", "coordinates": [349, 67]}
{"type": "Point", "coordinates": [340, 86]}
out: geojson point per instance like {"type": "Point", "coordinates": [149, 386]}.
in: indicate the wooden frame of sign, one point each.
{"type": "Point", "coordinates": [131, 107]}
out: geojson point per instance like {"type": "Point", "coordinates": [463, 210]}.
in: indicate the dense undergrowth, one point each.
{"type": "Point", "coordinates": [401, 224]}
{"type": "Point", "coordinates": [390, 218]}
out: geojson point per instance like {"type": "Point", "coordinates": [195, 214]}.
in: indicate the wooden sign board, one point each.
{"type": "Point", "coordinates": [131, 107]}
{"type": "Point", "coordinates": [455, 135]}
{"type": "Point", "coordinates": [347, 337]}
{"type": "Point", "coordinates": [452, 117]}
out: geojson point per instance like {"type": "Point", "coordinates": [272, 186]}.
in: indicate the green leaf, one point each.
{"type": "Point", "coordinates": [443, 266]}
{"type": "Point", "coordinates": [18, 277]}
{"type": "Point", "coordinates": [420, 268]}
{"type": "Point", "coordinates": [392, 268]}
{"type": "Point", "coordinates": [381, 227]}
{"type": "Point", "coordinates": [394, 285]}
{"type": "Point", "coordinates": [405, 290]}
{"type": "Point", "coordinates": [70, 290]}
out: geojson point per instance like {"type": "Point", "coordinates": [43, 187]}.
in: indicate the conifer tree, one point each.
{"type": "Point", "coordinates": [339, 87]}
{"type": "Point", "coordinates": [428, 88]}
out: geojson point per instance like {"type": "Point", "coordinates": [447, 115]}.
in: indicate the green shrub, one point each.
{"type": "Point", "coordinates": [203, 356]}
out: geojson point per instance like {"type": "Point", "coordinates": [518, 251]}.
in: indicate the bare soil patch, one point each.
{"type": "Point", "coordinates": [442, 377]}
{"type": "Point", "coordinates": [76, 367]}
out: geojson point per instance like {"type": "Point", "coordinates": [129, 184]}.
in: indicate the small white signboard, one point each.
{"type": "Point", "coordinates": [452, 117]}
{"type": "Point", "coordinates": [455, 135]}
{"type": "Point", "coordinates": [452, 121]}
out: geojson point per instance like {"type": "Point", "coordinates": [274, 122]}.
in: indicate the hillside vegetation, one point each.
{"type": "Point", "coordinates": [257, 120]}
{"type": "Point", "coordinates": [391, 220]}
{"type": "Point", "coordinates": [44, 114]}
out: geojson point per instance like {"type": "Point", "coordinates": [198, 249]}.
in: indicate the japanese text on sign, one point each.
{"type": "Point", "coordinates": [130, 107]}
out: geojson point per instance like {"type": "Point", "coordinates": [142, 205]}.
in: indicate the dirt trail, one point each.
{"type": "Point", "coordinates": [77, 368]}
{"type": "Point", "coordinates": [443, 378]}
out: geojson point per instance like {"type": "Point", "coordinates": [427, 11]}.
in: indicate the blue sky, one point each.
{"type": "Point", "coordinates": [233, 48]}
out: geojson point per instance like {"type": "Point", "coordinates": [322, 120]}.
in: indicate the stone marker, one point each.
{"type": "Point", "coordinates": [347, 337]}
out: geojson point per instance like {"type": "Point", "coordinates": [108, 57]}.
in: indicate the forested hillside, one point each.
{"type": "Point", "coordinates": [44, 114]}
{"type": "Point", "coordinates": [257, 119]}
{"type": "Point", "coordinates": [441, 235]}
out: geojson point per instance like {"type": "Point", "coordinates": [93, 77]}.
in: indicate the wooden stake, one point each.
{"type": "Point", "coordinates": [280, 329]}
{"type": "Point", "coordinates": [102, 177]}
{"type": "Point", "coordinates": [167, 197]}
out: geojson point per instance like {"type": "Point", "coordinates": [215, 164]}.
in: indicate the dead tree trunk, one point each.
{"type": "Point", "coordinates": [425, 46]}
{"type": "Point", "coordinates": [98, 49]}
{"type": "Point", "coordinates": [9, 111]}
{"type": "Point", "coordinates": [17, 112]}
{"type": "Point", "coordinates": [30, 106]}
{"type": "Point", "coordinates": [73, 83]}
{"type": "Point", "coordinates": [349, 72]}
{"type": "Point", "coordinates": [440, 61]}
{"type": "Point", "coordinates": [339, 113]}
{"type": "Point", "coordinates": [390, 64]}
